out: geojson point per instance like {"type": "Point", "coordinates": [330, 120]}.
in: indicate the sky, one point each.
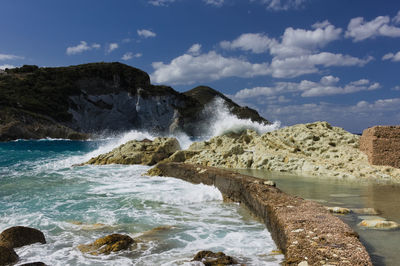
{"type": "Point", "coordinates": [296, 61]}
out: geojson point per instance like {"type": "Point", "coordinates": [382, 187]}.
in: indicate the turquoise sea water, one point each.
{"type": "Point", "coordinates": [76, 205]}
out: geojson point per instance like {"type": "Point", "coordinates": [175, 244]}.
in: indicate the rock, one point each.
{"type": "Point", "coordinates": [210, 258]}
{"type": "Point", "coordinates": [314, 149]}
{"type": "Point", "coordinates": [379, 224]}
{"type": "Point", "coordinates": [18, 236]}
{"type": "Point", "coordinates": [108, 244]}
{"type": "Point", "coordinates": [7, 256]}
{"type": "Point", "coordinates": [370, 211]}
{"type": "Point", "coordinates": [139, 152]}
{"type": "Point", "coordinates": [382, 145]}
{"type": "Point", "coordinates": [303, 263]}
{"type": "Point", "coordinates": [338, 210]}
{"type": "Point", "coordinates": [37, 263]}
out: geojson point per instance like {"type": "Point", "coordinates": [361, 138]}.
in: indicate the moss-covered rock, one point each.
{"type": "Point", "coordinates": [210, 258]}
{"type": "Point", "coordinates": [108, 244]}
{"type": "Point", "coordinates": [139, 152]}
{"type": "Point", "coordinates": [18, 236]}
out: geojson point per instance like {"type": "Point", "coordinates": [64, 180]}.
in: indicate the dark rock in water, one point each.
{"type": "Point", "coordinates": [210, 258]}
{"type": "Point", "coordinates": [77, 101]}
{"type": "Point", "coordinates": [108, 244]}
{"type": "Point", "coordinates": [7, 256]}
{"type": "Point", "coordinates": [18, 236]}
{"type": "Point", "coordinates": [37, 263]}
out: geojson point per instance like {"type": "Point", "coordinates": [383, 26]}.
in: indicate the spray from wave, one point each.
{"type": "Point", "coordinates": [222, 121]}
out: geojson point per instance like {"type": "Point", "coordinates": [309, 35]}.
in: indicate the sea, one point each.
{"type": "Point", "coordinates": [171, 219]}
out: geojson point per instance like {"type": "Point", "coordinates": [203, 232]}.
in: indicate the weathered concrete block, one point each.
{"type": "Point", "coordinates": [382, 145]}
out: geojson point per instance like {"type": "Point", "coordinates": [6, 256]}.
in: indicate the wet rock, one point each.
{"type": "Point", "coordinates": [138, 152]}
{"type": "Point", "coordinates": [379, 224]}
{"type": "Point", "coordinates": [19, 236]}
{"type": "Point", "coordinates": [37, 263]}
{"type": "Point", "coordinates": [7, 256]}
{"type": "Point", "coordinates": [369, 211]}
{"type": "Point", "coordinates": [210, 258]}
{"type": "Point", "coordinates": [338, 210]}
{"type": "Point", "coordinates": [108, 244]}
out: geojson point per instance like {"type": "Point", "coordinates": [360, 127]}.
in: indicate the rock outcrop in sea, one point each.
{"type": "Point", "coordinates": [315, 149]}
{"type": "Point", "coordinates": [76, 102]}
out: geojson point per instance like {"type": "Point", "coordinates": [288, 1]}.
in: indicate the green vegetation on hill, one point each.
{"type": "Point", "coordinates": [46, 90]}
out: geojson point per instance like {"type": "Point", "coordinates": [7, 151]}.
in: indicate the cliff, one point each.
{"type": "Point", "coordinates": [79, 101]}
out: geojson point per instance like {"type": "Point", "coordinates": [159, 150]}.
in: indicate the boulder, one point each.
{"type": "Point", "coordinates": [338, 210]}
{"type": "Point", "coordinates": [7, 256]}
{"type": "Point", "coordinates": [108, 244]}
{"type": "Point", "coordinates": [19, 236]}
{"type": "Point", "coordinates": [139, 152]}
{"type": "Point", "coordinates": [210, 258]}
{"type": "Point", "coordinates": [37, 263]}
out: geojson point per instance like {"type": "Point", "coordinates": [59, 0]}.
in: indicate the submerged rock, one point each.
{"type": "Point", "coordinates": [338, 210]}
{"type": "Point", "coordinates": [108, 244]}
{"type": "Point", "coordinates": [7, 255]}
{"type": "Point", "coordinates": [139, 152]}
{"type": "Point", "coordinates": [369, 211]}
{"type": "Point", "coordinates": [379, 224]}
{"type": "Point", "coordinates": [19, 236]}
{"type": "Point", "coordinates": [210, 258]}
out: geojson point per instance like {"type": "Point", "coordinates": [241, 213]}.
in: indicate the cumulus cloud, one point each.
{"type": "Point", "coordinates": [278, 5]}
{"type": "Point", "coordinates": [195, 49]}
{"type": "Point", "coordinates": [391, 56]}
{"type": "Point", "coordinates": [146, 33]}
{"type": "Point", "coordinates": [254, 42]}
{"type": "Point", "coordinates": [307, 64]}
{"type": "Point", "coordinates": [81, 47]}
{"type": "Point", "coordinates": [325, 87]}
{"type": "Point", "coordinates": [4, 57]}
{"type": "Point", "coordinates": [2, 67]}
{"type": "Point", "coordinates": [396, 19]}
{"type": "Point", "coordinates": [359, 29]}
{"type": "Point", "coordinates": [112, 47]}
{"type": "Point", "coordinates": [353, 118]}
{"type": "Point", "coordinates": [214, 2]}
{"type": "Point", "coordinates": [189, 68]}
{"type": "Point", "coordinates": [129, 55]}
{"type": "Point", "coordinates": [396, 88]}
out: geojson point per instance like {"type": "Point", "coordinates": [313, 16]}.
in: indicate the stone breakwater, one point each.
{"type": "Point", "coordinates": [305, 231]}
{"type": "Point", "coordinates": [382, 145]}
{"type": "Point", "coordinates": [315, 149]}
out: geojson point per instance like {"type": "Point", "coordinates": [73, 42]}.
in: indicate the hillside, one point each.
{"type": "Point", "coordinates": [97, 98]}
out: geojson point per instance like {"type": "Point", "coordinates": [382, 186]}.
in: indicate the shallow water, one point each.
{"type": "Point", "coordinates": [383, 245]}
{"type": "Point", "coordinates": [76, 205]}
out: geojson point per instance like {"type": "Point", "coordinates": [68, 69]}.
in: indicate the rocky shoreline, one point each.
{"type": "Point", "coordinates": [305, 231]}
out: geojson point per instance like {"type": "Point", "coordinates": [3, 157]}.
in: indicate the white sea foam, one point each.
{"type": "Point", "coordinates": [223, 121]}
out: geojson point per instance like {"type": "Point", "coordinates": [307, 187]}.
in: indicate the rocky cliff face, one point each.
{"type": "Point", "coordinates": [76, 101]}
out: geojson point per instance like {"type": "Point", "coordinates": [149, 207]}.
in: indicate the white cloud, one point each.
{"type": "Point", "coordinates": [353, 118]}
{"type": "Point", "coordinates": [392, 57]}
{"type": "Point", "coordinates": [282, 4]}
{"type": "Point", "coordinates": [396, 88]}
{"type": "Point", "coordinates": [308, 64]}
{"type": "Point", "coordinates": [81, 47]}
{"type": "Point", "coordinates": [4, 57]}
{"type": "Point", "coordinates": [188, 69]}
{"type": "Point", "coordinates": [112, 47]}
{"type": "Point", "coordinates": [297, 42]}
{"type": "Point", "coordinates": [195, 49]}
{"type": "Point", "coordinates": [326, 86]}
{"type": "Point", "coordinates": [214, 2]}
{"type": "Point", "coordinates": [160, 2]}
{"type": "Point", "coordinates": [360, 30]}
{"type": "Point", "coordinates": [6, 66]}
{"type": "Point", "coordinates": [396, 19]}
{"type": "Point", "coordinates": [146, 33]}
{"type": "Point", "coordinates": [129, 55]}
{"type": "Point", "coordinates": [254, 42]}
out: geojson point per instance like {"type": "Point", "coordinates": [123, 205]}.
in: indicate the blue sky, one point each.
{"type": "Point", "coordinates": [293, 60]}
